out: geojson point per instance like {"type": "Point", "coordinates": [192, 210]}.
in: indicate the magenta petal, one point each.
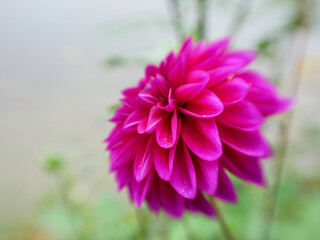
{"type": "Point", "coordinates": [226, 191]}
{"type": "Point", "coordinates": [202, 137]}
{"type": "Point", "coordinates": [139, 190]}
{"type": "Point", "coordinates": [263, 94]}
{"type": "Point", "coordinates": [200, 204]}
{"type": "Point", "coordinates": [217, 75]}
{"type": "Point", "coordinates": [151, 70]}
{"type": "Point", "coordinates": [274, 105]}
{"type": "Point", "coordinates": [143, 160]}
{"type": "Point", "coordinates": [240, 58]}
{"type": "Point", "coordinates": [122, 175]}
{"type": "Point", "coordinates": [162, 86]}
{"type": "Point", "coordinates": [211, 53]}
{"type": "Point", "coordinates": [123, 152]}
{"type": "Point", "coordinates": [232, 91]}
{"type": "Point", "coordinates": [249, 143]}
{"type": "Point", "coordinates": [153, 197]}
{"type": "Point", "coordinates": [167, 130]}
{"type": "Point", "coordinates": [163, 161]}
{"type": "Point", "coordinates": [256, 80]}
{"type": "Point", "coordinates": [172, 202]}
{"type": "Point", "coordinates": [196, 83]}
{"type": "Point", "coordinates": [243, 115]}
{"type": "Point", "coordinates": [149, 123]}
{"type": "Point", "coordinates": [207, 174]}
{"type": "Point", "coordinates": [245, 167]}
{"type": "Point", "coordinates": [134, 119]}
{"type": "Point", "coordinates": [176, 74]}
{"type": "Point", "coordinates": [186, 46]}
{"type": "Point", "coordinates": [183, 178]}
{"type": "Point", "coordinates": [205, 105]}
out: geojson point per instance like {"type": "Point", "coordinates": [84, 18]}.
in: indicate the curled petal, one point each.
{"type": "Point", "coordinates": [205, 105]}
{"type": "Point", "coordinates": [149, 123]}
{"type": "Point", "coordinates": [183, 178]}
{"type": "Point", "coordinates": [167, 130]}
{"type": "Point", "coordinates": [197, 81]}
{"type": "Point", "coordinates": [163, 161]}
{"type": "Point", "coordinates": [202, 137]}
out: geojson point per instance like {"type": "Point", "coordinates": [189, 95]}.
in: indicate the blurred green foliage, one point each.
{"type": "Point", "coordinates": [69, 211]}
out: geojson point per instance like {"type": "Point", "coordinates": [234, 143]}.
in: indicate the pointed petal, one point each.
{"type": "Point", "coordinates": [162, 86]}
{"type": "Point", "coordinates": [153, 197]}
{"type": "Point", "coordinates": [200, 204]}
{"type": "Point", "coordinates": [167, 130]}
{"type": "Point", "coordinates": [149, 123]}
{"type": "Point", "coordinates": [122, 175]}
{"type": "Point", "coordinates": [226, 191]}
{"type": "Point", "coordinates": [123, 152]}
{"type": "Point", "coordinates": [177, 73]}
{"type": "Point", "coordinates": [197, 81]}
{"type": "Point", "coordinates": [264, 95]}
{"type": "Point", "coordinates": [243, 115]}
{"type": "Point", "coordinates": [183, 178]}
{"type": "Point", "coordinates": [134, 119]}
{"type": "Point", "coordinates": [232, 91]}
{"type": "Point", "coordinates": [143, 160]}
{"type": "Point", "coordinates": [205, 105]}
{"type": "Point", "coordinates": [207, 174]}
{"type": "Point", "coordinates": [211, 53]}
{"type": "Point", "coordinates": [172, 202]}
{"type": "Point", "coordinates": [202, 137]}
{"type": "Point", "coordinates": [163, 161]}
{"type": "Point", "coordinates": [239, 58]}
{"type": "Point", "coordinates": [139, 190]}
{"type": "Point", "coordinates": [219, 74]}
{"type": "Point", "coordinates": [245, 167]}
{"type": "Point", "coordinates": [249, 143]}
{"type": "Point", "coordinates": [151, 70]}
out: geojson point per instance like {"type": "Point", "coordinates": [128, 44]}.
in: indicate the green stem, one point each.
{"type": "Point", "coordinates": [225, 229]}
{"type": "Point", "coordinates": [202, 18]}
{"type": "Point", "coordinates": [174, 9]}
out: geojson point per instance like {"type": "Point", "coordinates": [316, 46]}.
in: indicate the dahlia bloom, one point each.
{"type": "Point", "coordinates": [190, 120]}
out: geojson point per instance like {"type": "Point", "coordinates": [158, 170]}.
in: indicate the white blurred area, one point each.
{"type": "Point", "coordinates": [55, 90]}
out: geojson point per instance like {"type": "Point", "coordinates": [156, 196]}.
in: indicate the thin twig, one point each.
{"type": "Point", "coordinates": [226, 231]}
{"type": "Point", "coordinates": [202, 18]}
{"type": "Point", "coordinates": [287, 123]}
{"type": "Point", "coordinates": [176, 18]}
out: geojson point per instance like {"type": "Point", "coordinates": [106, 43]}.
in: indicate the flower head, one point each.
{"type": "Point", "coordinates": [188, 121]}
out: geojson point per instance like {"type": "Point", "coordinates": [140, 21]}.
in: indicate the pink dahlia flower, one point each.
{"type": "Point", "coordinates": [187, 123]}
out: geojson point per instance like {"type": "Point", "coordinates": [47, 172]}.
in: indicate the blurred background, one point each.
{"type": "Point", "coordinates": [63, 64]}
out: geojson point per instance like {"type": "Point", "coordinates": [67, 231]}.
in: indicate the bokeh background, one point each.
{"type": "Point", "coordinates": [63, 64]}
